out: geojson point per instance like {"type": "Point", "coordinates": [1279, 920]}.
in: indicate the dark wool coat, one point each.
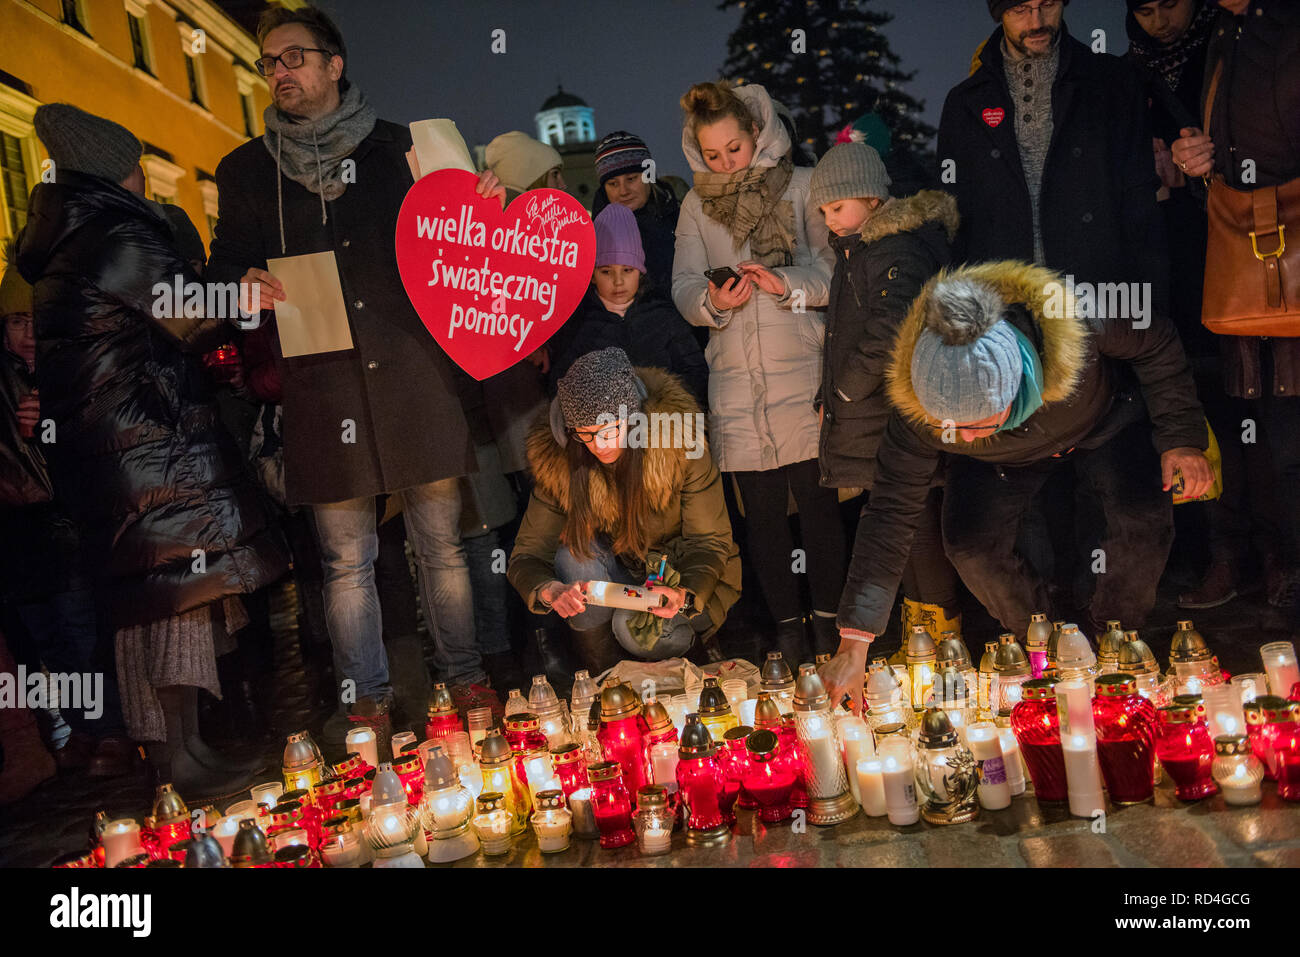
{"type": "Point", "coordinates": [1087, 400]}
{"type": "Point", "coordinates": [396, 386]}
{"type": "Point", "coordinates": [140, 458]}
{"type": "Point", "coordinates": [652, 333]}
{"type": "Point", "coordinates": [1098, 202]}
{"type": "Point", "coordinates": [689, 520]}
{"type": "Point", "coordinates": [878, 272]}
{"type": "Point", "coordinates": [656, 221]}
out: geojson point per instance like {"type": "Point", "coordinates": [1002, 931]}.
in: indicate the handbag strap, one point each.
{"type": "Point", "coordinates": [1264, 211]}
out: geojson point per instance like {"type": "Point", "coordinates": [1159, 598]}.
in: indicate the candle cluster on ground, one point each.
{"type": "Point", "coordinates": [937, 742]}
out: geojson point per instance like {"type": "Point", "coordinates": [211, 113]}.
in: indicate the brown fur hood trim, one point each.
{"type": "Point", "coordinates": [665, 468]}
{"type": "Point", "coordinates": [909, 213]}
{"type": "Point", "coordinates": [1064, 352]}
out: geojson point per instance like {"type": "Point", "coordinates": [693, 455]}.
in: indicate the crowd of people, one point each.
{"type": "Point", "coordinates": [860, 331]}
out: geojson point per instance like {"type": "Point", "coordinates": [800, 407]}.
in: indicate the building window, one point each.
{"type": "Point", "coordinates": [250, 114]}
{"type": "Point", "coordinates": [74, 15]}
{"type": "Point", "coordinates": [140, 55]}
{"type": "Point", "coordinates": [13, 179]}
{"type": "Point", "coordinates": [196, 84]}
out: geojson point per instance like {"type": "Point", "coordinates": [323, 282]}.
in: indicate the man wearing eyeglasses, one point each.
{"type": "Point", "coordinates": [383, 417]}
{"type": "Point", "coordinates": [990, 380]}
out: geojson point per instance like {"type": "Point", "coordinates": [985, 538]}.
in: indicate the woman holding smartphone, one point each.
{"type": "Point", "coordinates": [748, 211]}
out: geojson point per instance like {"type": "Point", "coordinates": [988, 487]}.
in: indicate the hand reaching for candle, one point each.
{"type": "Point", "coordinates": [844, 674]}
{"type": "Point", "coordinates": [565, 600]}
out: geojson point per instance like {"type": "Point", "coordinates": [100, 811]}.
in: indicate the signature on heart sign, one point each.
{"type": "Point", "coordinates": [492, 285]}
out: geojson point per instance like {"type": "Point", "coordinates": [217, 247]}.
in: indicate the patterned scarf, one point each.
{"type": "Point", "coordinates": [1169, 61]}
{"type": "Point", "coordinates": [748, 204]}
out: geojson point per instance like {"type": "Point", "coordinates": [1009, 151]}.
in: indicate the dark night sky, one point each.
{"type": "Point", "coordinates": [629, 59]}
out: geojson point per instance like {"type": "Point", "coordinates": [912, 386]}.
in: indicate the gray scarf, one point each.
{"type": "Point", "coordinates": [311, 152]}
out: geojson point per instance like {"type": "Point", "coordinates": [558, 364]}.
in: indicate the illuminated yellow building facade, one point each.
{"type": "Point", "coordinates": [178, 74]}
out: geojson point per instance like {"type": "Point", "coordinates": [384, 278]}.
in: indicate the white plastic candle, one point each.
{"type": "Point", "coordinates": [553, 829]}
{"type": "Point", "coordinates": [747, 712]}
{"type": "Point", "coordinates": [871, 785]}
{"type": "Point", "coordinates": [1240, 788]}
{"type": "Point", "coordinates": [736, 691]}
{"type": "Point", "coordinates": [541, 777]}
{"type": "Point", "coordinates": [825, 763]}
{"type": "Point", "coordinates": [1012, 761]}
{"type": "Point", "coordinates": [363, 742]}
{"type": "Point", "coordinates": [984, 743]}
{"type": "Point", "coordinates": [1280, 666]}
{"type": "Point", "coordinates": [472, 777]}
{"type": "Point", "coordinates": [663, 764]}
{"type": "Point", "coordinates": [121, 840]}
{"type": "Point", "coordinates": [1083, 775]}
{"type": "Point", "coordinates": [858, 744]}
{"type": "Point", "coordinates": [401, 740]}
{"type": "Point", "coordinates": [900, 790]}
{"type": "Point", "coordinates": [1251, 686]}
{"type": "Point", "coordinates": [1223, 710]}
{"type": "Point", "coordinates": [656, 840]}
{"type": "Point", "coordinates": [267, 795]}
{"type": "Point", "coordinates": [225, 832]}
{"type": "Point", "coordinates": [584, 819]}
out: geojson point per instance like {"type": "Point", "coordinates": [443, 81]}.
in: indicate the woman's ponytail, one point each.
{"type": "Point", "coordinates": [707, 103]}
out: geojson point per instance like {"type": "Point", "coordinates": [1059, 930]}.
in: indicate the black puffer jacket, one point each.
{"type": "Point", "coordinates": [140, 458]}
{"type": "Point", "coordinates": [652, 333]}
{"type": "Point", "coordinates": [657, 223]}
{"type": "Point", "coordinates": [878, 272]}
{"type": "Point", "coordinates": [1088, 398]}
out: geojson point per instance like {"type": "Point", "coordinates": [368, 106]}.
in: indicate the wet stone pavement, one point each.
{"type": "Point", "coordinates": [1167, 833]}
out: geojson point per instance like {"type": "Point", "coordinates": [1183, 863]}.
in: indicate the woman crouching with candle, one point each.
{"type": "Point", "coordinates": [622, 472]}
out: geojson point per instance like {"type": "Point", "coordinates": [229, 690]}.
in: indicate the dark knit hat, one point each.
{"type": "Point", "coordinates": [618, 153]}
{"type": "Point", "coordinates": [81, 141]}
{"type": "Point", "coordinates": [999, 7]}
{"type": "Point", "coordinates": [596, 385]}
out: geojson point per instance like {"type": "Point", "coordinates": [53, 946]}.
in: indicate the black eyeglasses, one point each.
{"type": "Point", "coordinates": [291, 58]}
{"type": "Point", "coordinates": [607, 435]}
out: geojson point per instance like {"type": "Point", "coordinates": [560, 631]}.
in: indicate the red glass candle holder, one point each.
{"type": "Point", "coordinates": [1126, 738]}
{"type": "Point", "coordinates": [443, 719]}
{"type": "Point", "coordinates": [622, 734]}
{"type": "Point", "coordinates": [611, 805]}
{"type": "Point", "coordinates": [297, 857]}
{"type": "Point", "coordinates": [1283, 730]}
{"type": "Point", "coordinates": [78, 859]}
{"type": "Point", "coordinates": [523, 733]}
{"type": "Point", "coordinates": [1037, 728]}
{"type": "Point", "coordinates": [328, 794]}
{"type": "Point", "coordinates": [569, 767]}
{"type": "Point", "coordinates": [702, 785]}
{"type": "Point", "coordinates": [768, 779]}
{"type": "Point", "coordinates": [411, 774]}
{"type": "Point", "coordinates": [737, 765]}
{"type": "Point", "coordinates": [1186, 751]}
{"type": "Point", "coordinates": [352, 766]}
{"type": "Point", "coordinates": [790, 751]}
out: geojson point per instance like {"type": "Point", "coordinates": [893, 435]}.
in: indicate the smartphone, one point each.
{"type": "Point", "coordinates": [721, 276]}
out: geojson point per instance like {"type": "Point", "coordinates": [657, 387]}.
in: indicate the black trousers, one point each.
{"type": "Point", "coordinates": [771, 542]}
{"type": "Point", "coordinates": [982, 510]}
{"type": "Point", "coordinates": [928, 576]}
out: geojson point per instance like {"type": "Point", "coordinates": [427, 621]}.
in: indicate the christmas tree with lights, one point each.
{"type": "Point", "coordinates": [838, 68]}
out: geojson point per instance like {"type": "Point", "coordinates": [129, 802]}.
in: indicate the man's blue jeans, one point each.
{"type": "Point", "coordinates": [349, 544]}
{"type": "Point", "coordinates": [676, 634]}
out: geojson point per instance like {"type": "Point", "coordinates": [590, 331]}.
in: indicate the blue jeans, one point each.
{"type": "Point", "coordinates": [675, 634]}
{"type": "Point", "coordinates": [490, 595]}
{"type": "Point", "coordinates": [349, 544]}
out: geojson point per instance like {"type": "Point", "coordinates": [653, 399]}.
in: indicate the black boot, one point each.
{"type": "Point", "coordinates": [826, 634]}
{"type": "Point", "coordinates": [171, 762]}
{"type": "Point", "coordinates": [792, 642]}
{"type": "Point", "coordinates": [198, 748]}
{"type": "Point", "coordinates": [596, 648]}
{"type": "Point", "coordinates": [555, 663]}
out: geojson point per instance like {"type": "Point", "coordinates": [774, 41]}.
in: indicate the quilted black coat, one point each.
{"type": "Point", "coordinates": [171, 519]}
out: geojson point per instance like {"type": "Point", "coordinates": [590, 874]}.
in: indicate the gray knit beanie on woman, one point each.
{"type": "Point", "coordinates": [86, 143]}
{"type": "Point", "coordinates": [848, 171]}
{"type": "Point", "coordinates": [597, 384]}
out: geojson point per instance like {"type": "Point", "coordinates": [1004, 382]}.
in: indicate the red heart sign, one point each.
{"type": "Point", "coordinates": [492, 285]}
{"type": "Point", "coordinates": [993, 115]}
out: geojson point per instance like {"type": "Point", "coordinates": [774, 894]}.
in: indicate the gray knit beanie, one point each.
{"type": "Point", "coordinates": [848, 171]}
{"type": "Point", "coordinates": [966, 363]}
{"type": "Point", "coordinates": [81, 141]}
{"type": "Point", "coordinates": [597, 384]}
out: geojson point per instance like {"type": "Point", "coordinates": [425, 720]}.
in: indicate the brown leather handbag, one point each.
{"type": "Point", "coordinates": [1252, 273]}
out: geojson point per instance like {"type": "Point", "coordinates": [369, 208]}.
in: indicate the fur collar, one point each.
{"type": "Point", "coordinates": [1064, 351]}
{"type": "Point", "coordinates": [665, 468]}
{"type": "Point", "coordinates": [910, 213]}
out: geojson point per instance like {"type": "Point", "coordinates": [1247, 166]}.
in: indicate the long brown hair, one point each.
{"type": "Point", "coordinates": [632, 535]}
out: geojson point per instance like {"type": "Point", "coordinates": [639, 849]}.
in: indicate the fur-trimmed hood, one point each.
{"type": "Point", "coordinates": [1060, 338]}
{"type": "Point", "coordinates": [665, 467]}
{"type": "Point", "coordinates": [909, 213]}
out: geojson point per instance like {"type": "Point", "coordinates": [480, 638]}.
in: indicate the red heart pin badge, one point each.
{"type": "Point", "coordinates": [993, 115]}
{"type": "Point", "coordinates": [492, 285]}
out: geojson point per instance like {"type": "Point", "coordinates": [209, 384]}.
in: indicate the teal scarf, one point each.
{"type": "Point", "coordinates": [1030, 394]}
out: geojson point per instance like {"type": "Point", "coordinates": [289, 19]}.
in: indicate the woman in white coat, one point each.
{"type": "Point", "coordinates": [747, 210]}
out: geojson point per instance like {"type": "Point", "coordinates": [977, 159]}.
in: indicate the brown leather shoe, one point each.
{"type": "Point", "coordinates": [75, 753]}
{"type": "Point", "coordinates": [1218, 587]}
{"type": "Point", "coordinates": [115, 756]}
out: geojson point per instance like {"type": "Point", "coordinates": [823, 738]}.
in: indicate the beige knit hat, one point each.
{"type": "Point", "coordinates": [519, 160]}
